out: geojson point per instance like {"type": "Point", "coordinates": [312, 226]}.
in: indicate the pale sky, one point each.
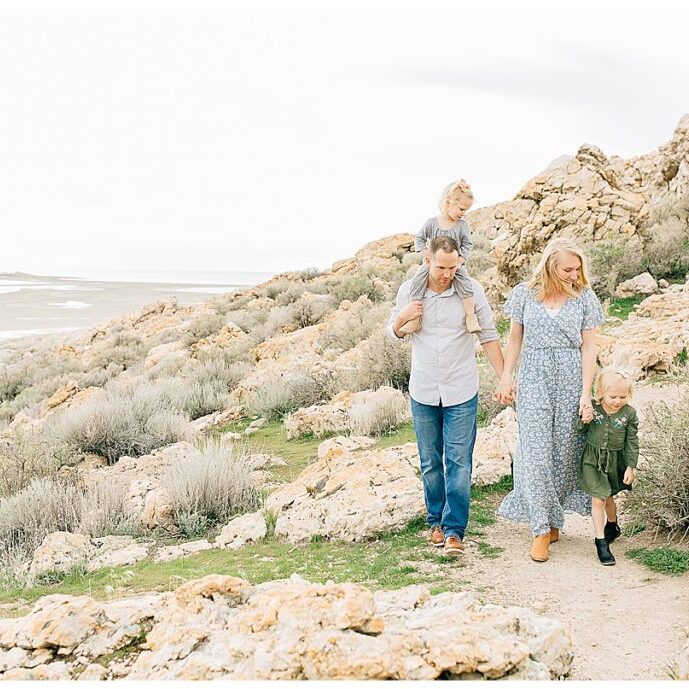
{"type": "Point", "coordinates": [279, 140]}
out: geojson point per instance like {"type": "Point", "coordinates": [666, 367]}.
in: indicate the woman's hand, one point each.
{"type": "Point", "coordinates": [628, 477]}
{"type": "Point", "coordinates": [585, 405]}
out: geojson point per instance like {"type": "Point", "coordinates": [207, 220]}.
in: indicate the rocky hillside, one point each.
{"type": "Point", "coordinates": [279, 414]}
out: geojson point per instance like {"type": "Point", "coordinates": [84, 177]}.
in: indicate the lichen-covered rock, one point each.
{"type": "Point", "coordinates": [60, 551]}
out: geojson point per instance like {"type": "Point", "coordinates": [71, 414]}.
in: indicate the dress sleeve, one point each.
{"type": "Point", "coordinates": [422, 236]}
{"type": "Point", "coordinates": [516, 300]}
{"type": "Point", "coordinates": [593, 312]}
{"type": "Point", "coordinates": [631, 441]}
{"type": "Point", "coordinates": [582, 426]}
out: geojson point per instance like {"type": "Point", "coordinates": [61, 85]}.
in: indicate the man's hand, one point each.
{"type": "Point", "coordinates": [413, 309]}
{"type": "Point", "coordinates": [506, 391]}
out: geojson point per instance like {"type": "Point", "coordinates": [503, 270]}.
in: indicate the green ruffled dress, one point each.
{"type": "Point", "coordinates": [612, 445]}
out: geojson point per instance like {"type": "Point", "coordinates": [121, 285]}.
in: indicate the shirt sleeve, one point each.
{"type": "Point", "coordinates": [422, 236]}
{"type": "Point", "coordinates": [631, 441]}
{"type": "Point", "coordinates": [484, 314]}
{"type": "Point", "coordinates": [400, 302]}
{"type": "Point", "coordinates": [465, 243]}
{"type": "Point", "coordinates": [516, 301]}
{"type": "Point", "coordinates": [593, 312]}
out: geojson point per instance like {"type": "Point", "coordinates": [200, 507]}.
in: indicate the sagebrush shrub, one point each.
{"type": "Point", "coordinates": [660, 498]}
{"type": "Point", "coordinates": [212, 488]}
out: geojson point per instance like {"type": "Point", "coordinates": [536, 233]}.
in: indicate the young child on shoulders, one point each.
{"type": "Point", "coordinates": [610, 454]}
{"type": "Point", "coordinates": [455, 201]}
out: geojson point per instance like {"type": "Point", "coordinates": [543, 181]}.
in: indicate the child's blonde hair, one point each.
{"type": "Point", "coordinates": [452, 191]}
{"type": "Point", "coordinates": [545, 279]}
{"type": "Point", "coordinates": [606, 376]}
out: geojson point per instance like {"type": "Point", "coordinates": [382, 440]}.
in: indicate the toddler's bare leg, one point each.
{"type": "Point", "coordinates": [419, 284]}
{"type": "Point", "coordinates": [464, 289]}
{"type": "Point", "coordinates": [598, 516]}
{"type": "Point", "coordinates": [611, 509]}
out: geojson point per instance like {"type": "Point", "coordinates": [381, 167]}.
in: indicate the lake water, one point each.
{"type": "Point", "coordinates": [38, 305]}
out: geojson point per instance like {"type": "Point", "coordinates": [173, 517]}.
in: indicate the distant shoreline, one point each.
{"type": "Point", "coordinates": [37, 305]}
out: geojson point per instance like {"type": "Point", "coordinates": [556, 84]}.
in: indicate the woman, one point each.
{"type": "Point", "coordinates": [554, 318]}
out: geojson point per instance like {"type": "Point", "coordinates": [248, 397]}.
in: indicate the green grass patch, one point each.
{"type": "Point", "coordinates": [502, 325]}
{"type": "Point", "coordinates": [633, 529]}
{"type": "Point", "coordinates": [488, 550]}
{"type": "Point", "coordinates": [623, 306]}
{"type": "Point", "coordinates": [665, 560]}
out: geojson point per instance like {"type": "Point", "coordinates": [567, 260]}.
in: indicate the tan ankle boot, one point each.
{"type": "Point", "coordinates": [473, 325]}
{"type": "Point", "coordinates": [411, 326]}
{"type": "Point", "coordinates": [554, 534]}
{"type": "Point", "coordinates": [539, 548]}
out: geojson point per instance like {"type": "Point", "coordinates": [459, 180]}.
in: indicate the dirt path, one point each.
{"type": "Point", "coordinates": [626, 621]}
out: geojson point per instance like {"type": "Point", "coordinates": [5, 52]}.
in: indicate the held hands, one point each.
{"type": "Point", "coordinates": [628, 477]}
{"type": "Point", "coordinates": [585, 408]}
{"type": "Point", "coordinates": [587, 415]}
{"type": "Point", "coordinates": [506, 391]}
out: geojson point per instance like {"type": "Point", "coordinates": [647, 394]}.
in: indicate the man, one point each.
{"type": "Point", "coordinates": [444, 389]}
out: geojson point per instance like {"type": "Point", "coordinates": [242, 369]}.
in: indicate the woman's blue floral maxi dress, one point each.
{"type": "Point", "coordinates": [549, 447]}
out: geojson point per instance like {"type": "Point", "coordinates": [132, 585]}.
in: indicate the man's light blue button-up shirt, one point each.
{"type": "Point", "coordinates": [443, 366]}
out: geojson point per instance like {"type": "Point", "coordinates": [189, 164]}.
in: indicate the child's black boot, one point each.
{"type": "Point", "coordinates": [612, 531]}
{"type": "Point", "coordinates": [604, 554]}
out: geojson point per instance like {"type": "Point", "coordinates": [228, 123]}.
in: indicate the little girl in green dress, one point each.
{"type": "Point", "coordinates": [610, 454]}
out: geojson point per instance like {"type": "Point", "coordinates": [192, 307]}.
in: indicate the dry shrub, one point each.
{"type": "Point", "coordinates": [376, 418]}
{"type": "Point", "coordinates": [660, 498]}
{"type": "Point", "coordinates": [382, 362]}
{"type": "Point", "coordinates": [31, 455]}
{"type": "Point", "coordinates": [202, 327]}
{"type": "Point", "coordinates": [214, 487]}
{"type": "Point", "coordinates": [27, 517]}
{"type": "Point", "coordinates": [131, 419]}
{"type": "Point", "coordinates": [105, 511]}
{"type": "Point", "coordinates": [279, 395]}
{"type": "Point", "coordinates": [354, 326]}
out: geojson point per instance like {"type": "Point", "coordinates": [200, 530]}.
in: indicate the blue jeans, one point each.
{"type": "Point", "coordinates": [446, 433]}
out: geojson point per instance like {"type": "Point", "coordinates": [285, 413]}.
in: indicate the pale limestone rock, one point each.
{"type": "Point", "coordinates": [346, 411]}
{"type": "Point", "coordinates": [242, 530]}
{"type": "Point", "coordinates": [641, 285]}
{"type": "Point", "coordinates": [494, 449]}
{"type": "Point", "coordinates": [651, 339]}
{"type": "Point", "coordinates": [117, 551]}
{"type": "Point", "coordinates": [172, 552]}
{"type": "Point", "coordinates": [164, 352]}
{"type": "Point", "coordinates": [54, 672]}
{"type": "Point", "coordinates": [350, 496]}
{"type": "Point", "coordinates": [158, 510]}
{"type": "Point", "coordinates": [343, 444]}
{"type": "Point", "coordinates": [219, 627]}
{"type": "Point", "coordinates": [59, 551]}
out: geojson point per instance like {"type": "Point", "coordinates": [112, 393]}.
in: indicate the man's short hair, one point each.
{"type": "Point", "coordinates": [447, 244]}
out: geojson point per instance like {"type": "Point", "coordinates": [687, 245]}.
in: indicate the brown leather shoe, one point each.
{"type": "Point", "coordinates": [454, 546]}
{"type": "Point", "coordinates": [539, 548]}
{"type": "Point", "coordinates": [554, 534]}
{"type": "Point", "coordinates": [437, 537]}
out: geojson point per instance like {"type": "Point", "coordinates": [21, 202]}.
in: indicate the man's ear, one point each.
{"type": "Point", "coordinates": [427, 260]}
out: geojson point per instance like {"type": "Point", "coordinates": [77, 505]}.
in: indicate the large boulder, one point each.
{"type": "Point", "coordinates": [220, 627]}
{"type": "Point", "coordinates": [351, 496]}
{"type": "Point", "coordinates": [641, 285]}
{"type": "Point", "coordinates": [494, 449]}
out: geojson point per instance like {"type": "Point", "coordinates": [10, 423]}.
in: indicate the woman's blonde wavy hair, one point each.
{"type": "Point", "coordinates": [606, 376]}
{"type": "Point", "coordinates": [545, 279]}
{"type": "Point", "coordinates": [452, 191]}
